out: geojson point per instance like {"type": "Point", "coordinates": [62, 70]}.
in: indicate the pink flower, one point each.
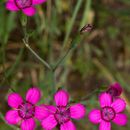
{"type": "Point", "coordinates": [115, 90]}
{"type": "Point", "coordinates": [23, 112]}
{"type": "Point", "coordinates": [61, 114]}
{"type": "Point", "coordinates": [110, 111]}
{"type": "Point", "coordinates": [27, 6]}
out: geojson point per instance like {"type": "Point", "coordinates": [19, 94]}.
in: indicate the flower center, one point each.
{"type": "Point", "coordinates": [112, 91]}
{"type": "Point", "coordinates": [108, 113]}
{"type": "Point", "coordinates": [26, 110]}
{"type": "Point", "coordinates": [22, 4]}
{"type": "Point", "coordinates": [62, 115]}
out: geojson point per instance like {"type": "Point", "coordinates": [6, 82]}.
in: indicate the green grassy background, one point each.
{"type": "Point", "coordinates": [101, 57]}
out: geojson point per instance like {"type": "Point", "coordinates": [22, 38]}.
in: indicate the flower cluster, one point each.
{"type": "Point", "coordinates": [26, 6]}
{"type": "Point", "coordinates": [26, 111]}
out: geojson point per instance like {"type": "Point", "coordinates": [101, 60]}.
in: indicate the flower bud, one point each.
{"type": "Point", "coordinates": [86, 28]}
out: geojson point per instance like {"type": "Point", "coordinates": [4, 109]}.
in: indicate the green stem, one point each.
{"type": "Point", "coordinates": [89, 95]}
{"type": "Point", "coordinates": [12, 68]}
{"type": "Point", "coordinates": [25, 41]}
{"type": "Point", "coordinates": [73, 45]}
{"type": "Point", "coordinates": [53, 82]}
{"type": "Point", "coordinates": [70, 26]}
{"type": "Point", "coordinates": [36, 55]}
{"type": "Point", "coordinates": [86, 13]}
{"type": "Point", "coordinates": [62, 58]}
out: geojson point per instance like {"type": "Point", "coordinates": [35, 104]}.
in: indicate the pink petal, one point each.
{"type": "Point", "coordinates": [41, 112]}
{"type": "Point", "coordinates": [105, 99]}
{"type": "Point", "coordinates": [49, 123]}
{"type": "Point", "coordinates": [28, 124]}
{"type": "Point", "coordinates": [12, 117]}
{"type": "Point", "coordinates": [33, 95]}
{"type": "Point", "coordinates": [14, 100]}
{"type": "Point", "coordinates": [39, 1]}
{"type": "Point", "coordinates": [51, 109]}
{"type": "Point", "coordinates": [10, 5]}
{"type": "Point", "coordinates": [95, 116]}
{"type": "Point", "coordinates": [68, 126]}
{"type": "Point", "coordinates": [120, 119]}
{"type": "Point", "coordinates": [29, 11]}
{"type": "Point", "coordinates": [61, 98]}
{"type": "Point", "coordinates": [77, 111]}
{"type": "Point", "coordinates": [105, 125]}
{"type": "Point", "coordinates": [119, 105]}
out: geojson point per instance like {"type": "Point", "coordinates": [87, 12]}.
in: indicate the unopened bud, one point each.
{"type": "Point", "coordinates": [86, 28]}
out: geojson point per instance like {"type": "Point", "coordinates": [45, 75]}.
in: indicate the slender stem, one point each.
{"type": "Point", "coordinates": [36, 55]}
{"type": "Point", "coordinates": [12, 68]}
{"type": "Point", "coordinates": [85, 16]}
{"type": "Point", "coordinates": [25, 41]}
{"type": "Point", "coordinates": [73, 45]}
{"type": "Point", "coordinates": [62, 58]}
{"type": "Point", "coordinates": [71, 23]}
{"type": "Point", "coordinates": [89, 95]}
{"type": "Point", "coordinates": [53, 80]}
{"type": "Point", "coordinates": [3, 64]}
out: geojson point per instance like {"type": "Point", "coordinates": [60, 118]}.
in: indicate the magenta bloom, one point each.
{"type": "Point", "coordinates": [109, 112]}
{"type": "Point", "coordinates": [115, 90]}
{"type": "Point", "coordinates": [61, 114]}
{"type": "Point", "coordinates": [27, 6]}
{"type": "Point", "coordinates": [24, 111]}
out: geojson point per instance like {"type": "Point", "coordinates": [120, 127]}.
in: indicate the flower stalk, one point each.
{"type": "Point", "coordinates": [36, 55]}
{"type": "Point", "coordinates": [26, 43]}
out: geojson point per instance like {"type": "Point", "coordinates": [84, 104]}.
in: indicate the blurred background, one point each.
{"type": "Point", "coordinates": [101, 57]}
